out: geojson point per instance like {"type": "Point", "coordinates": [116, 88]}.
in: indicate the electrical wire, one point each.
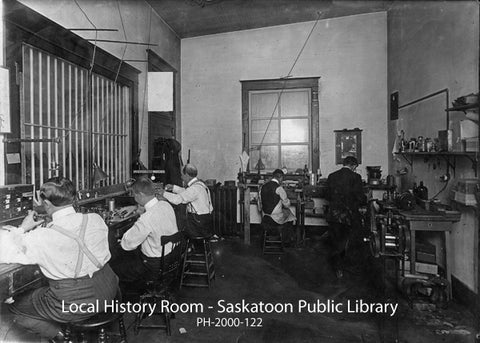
{"type": "Point", "coordinates": [285, 81]}
{"type": "Point", "coordinates": [440, 191]}
{"type": "Point", "coordinates": [125, 36]}
{"type": "Point", "coordinates": [96, 35]}
{"type": "Point", "coordinates": [145, 89]}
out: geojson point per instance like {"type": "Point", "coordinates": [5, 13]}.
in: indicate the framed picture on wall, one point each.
{"type": "Point", "coordinates": [348, 143]}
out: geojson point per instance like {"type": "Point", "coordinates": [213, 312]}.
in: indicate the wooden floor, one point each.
{"type": "Point", "coordinates": [299, 275]}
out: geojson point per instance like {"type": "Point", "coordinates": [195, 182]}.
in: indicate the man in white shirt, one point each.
{"type": "Point", "coordinates": [197, 197]}
{"type": "Point", "coordinates": [71, 251]}
{"type": "Point", "coordinates": [275, 205]}
{"type": "Point", "coordinates": [139, 265]}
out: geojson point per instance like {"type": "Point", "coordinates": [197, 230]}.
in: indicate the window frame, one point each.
{"type": "Point", "coordinates": [279, 85]}
{"type": "Point", "coordinates": [22, 27]}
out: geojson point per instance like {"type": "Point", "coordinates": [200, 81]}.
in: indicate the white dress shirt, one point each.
{"type": "Point", "coordinates": [158, 220]}
{"type": "Point", "coordinates": [55, 253]}
{"type": "Point", "coordinates": [281, 213]}
{"type": "Point", "coordinates": [196, 195]}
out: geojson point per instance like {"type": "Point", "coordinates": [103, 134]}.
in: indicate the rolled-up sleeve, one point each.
{"type": "Point", "coordinates": [183, 197]}
{"type": "Point", "coordinates": [283, 196]}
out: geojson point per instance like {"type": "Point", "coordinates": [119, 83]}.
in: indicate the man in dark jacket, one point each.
{"type": "Point", "coordinates": [345, 195]}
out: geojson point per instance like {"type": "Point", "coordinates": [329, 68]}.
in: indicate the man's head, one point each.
{"type": "Point", "coordinates": [56, 193]}
{"type": "Point", "coordinates": [350, 162]}
{"type": "Point", "coordinates": [189, 172]}
{"type": "Point", "coordinates": [278, 175]}
{"type": "Point", "coordinates": [143, 190]}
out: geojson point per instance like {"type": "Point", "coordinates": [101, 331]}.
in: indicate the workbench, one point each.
{"type": "Point", "coordinates": [297, 203]}
{"type": "Point", "coordinates": [422, 220]}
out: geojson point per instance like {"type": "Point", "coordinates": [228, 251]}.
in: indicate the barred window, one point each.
{"type": "Point", "coordinates": [76, 118]}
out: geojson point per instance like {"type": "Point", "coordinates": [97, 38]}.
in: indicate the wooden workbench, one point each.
{"type": "Point", "coordinates": [422, 220]}
{"type": "Point", "coordinates": [296, 201]}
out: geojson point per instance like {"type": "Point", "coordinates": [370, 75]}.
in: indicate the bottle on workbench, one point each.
{"type": "Point", "coordinates": [422, 191]}
{"type": "Point", "coordinates": [306, 175]}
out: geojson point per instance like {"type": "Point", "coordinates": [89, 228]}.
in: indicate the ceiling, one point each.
{"type": "Point", "coordinates": [191, 18]}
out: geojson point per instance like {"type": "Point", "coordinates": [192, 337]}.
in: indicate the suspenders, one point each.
{"type": "Point", "coordinates": [80, 239]}
{"type": "Point", "coordinates": [208, 195]}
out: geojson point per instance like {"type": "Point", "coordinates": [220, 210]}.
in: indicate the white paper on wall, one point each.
{"type": "Point", "coordinates": [160, 91]}
{"type": "Point", "coordinates": [4, 101]}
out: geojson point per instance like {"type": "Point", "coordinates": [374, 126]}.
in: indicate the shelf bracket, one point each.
{"type": "Point", "coordinates": [451, 163]}
{"type": "Point", "coordinates": [410, 162]}
{"type": "Point", "coordinates": [474, 163]}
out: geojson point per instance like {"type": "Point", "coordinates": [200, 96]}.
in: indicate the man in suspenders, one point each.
{"type": "Point", "coordinates": [199, 204]}
{"type": "Point", "coordinates": [71, 251]}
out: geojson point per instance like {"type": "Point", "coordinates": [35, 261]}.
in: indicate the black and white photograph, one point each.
{"type": "Point", "coordinates": [244, 171]}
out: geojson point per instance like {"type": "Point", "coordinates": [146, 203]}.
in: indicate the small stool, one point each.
{"type": "Point", "coordinates": [198, 267]}
{"type": "Point", "coordinates": [96, 323]}
{"type": "Point", "coordinates": [272, 236]}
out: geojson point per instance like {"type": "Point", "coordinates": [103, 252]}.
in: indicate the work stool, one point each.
{"type": "Point", "coordinates": [98, 323]}
{"type": "Point", "coordinates": [164, 283]}
{"type": "Point", "coordinates": [198, 266]}
{"type": "Point", "coordinates": [272, 242]}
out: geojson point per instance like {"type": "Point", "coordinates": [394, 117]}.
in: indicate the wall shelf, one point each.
{"type": "Point", "coordinates": [464, 107]}
{"type": "Point", "coordinates": [450, 157]}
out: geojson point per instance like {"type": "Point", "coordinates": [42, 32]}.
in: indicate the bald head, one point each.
{"type": "Point", "coordinates": [190, 170]}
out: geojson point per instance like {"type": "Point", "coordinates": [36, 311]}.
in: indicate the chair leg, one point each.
{"type": "Point", "coordinates": [101, 335]}
{"type": "Point", "coordinates": [184, 266]}
{"type": "Point", "coordinates": [67, 338]}
{"type": "Point", "coordinates": [123, 331]}
{"type": "Point", "coordinates": [167, 323]}
{"type": "Point", "coordinates": [205, 254]}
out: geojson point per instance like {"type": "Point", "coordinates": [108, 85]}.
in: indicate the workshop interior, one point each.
{"type": "Point", "coordinates": [253, 93]}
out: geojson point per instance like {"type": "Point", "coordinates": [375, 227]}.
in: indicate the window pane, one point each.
{"type": "Point", "coordinates": [269, 158]}
{"type": "Point", "coordinates": [258, 131]}
{"type": "Point", "coordinates": [263, 104]}
{"type": "Point", "coordinates": [295, 103]}
{"type": "Point", "coordinates": [295, 156]}
{"type": "Point", "coordinates": [294, 130]}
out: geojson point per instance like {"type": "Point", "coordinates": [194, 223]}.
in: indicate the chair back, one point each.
{"type": "Point", "coordinates": [171, 263]}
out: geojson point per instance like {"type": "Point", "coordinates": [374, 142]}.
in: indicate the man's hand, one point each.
{"type": "Point", "coordinates": [169, 188]}
{"type": "Point", "coordinates": [29, 222]}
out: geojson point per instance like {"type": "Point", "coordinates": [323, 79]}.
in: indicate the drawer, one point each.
{"type": "Point", "coordinates": [430, 226]}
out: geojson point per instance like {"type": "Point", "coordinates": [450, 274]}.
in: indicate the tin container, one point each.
{"type": "Point", "coordinates": [111, 205]}
{"type": "Point", "coordinates": [313, 179]}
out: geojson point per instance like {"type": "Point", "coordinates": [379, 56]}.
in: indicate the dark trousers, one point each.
{"type": "Point", "coordinates": [199, 225]}
{"type": "Point", "coordinates": [134, 269]}
{"type": "Point", "coordinates": [339, 237]}
{"type": "Point", "coordinates": [41, 312]}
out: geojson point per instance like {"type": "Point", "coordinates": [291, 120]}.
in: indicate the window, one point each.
{"type": "Point", "coordinates": [84, 119]}
{"type": "Point", "coordinates": [280, 123]}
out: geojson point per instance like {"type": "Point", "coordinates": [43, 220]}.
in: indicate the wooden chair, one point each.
{"type": "Point", "coordinates": [272, 242]}
{"type": "Point", "coordinates": [198, 266]}
{"type": "Point", "coordinates": [165, 283]}
{"type": "Point", "coordinates": [98, 323]}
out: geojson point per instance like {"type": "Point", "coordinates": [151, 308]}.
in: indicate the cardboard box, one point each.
{"type": "Point", "coordinates": [420, 267]}
{"type": "Point", "coordinates": [464, 198]}
{"type": "Point", "coordinates": [468, 186]}
{"type": "Point", "coordinates": [468, 129]}
{"type": "Point", "coordinates": [426, 252]}
{"type": "Point", "coordinates": [471, 144]}
{"type": "Point", "coordinates": [445, 138]}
